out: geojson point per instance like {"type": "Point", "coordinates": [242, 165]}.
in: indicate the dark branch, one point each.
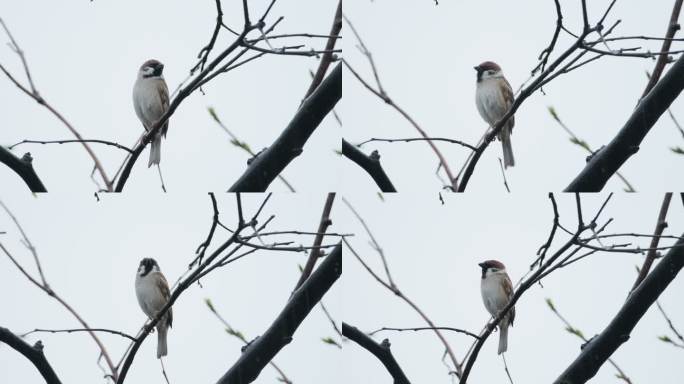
{"type": "Point", "coordinates": [327, 57]}
{"type": "Point", "coordinates": [667, 41]}
{"type": "Point", "coordinates": [370, 164]}
{"type": "Point", "coordinates": [33, 353]}
{"type": "Point", "coordinates": [661, 224]}
{"type": "Point", "coordinates": [457, 330]}
{"type": "Point", "coordinates": [610, 158]}
{"type": "Point", "coordinates": [601, 347]}
{"type": "Point", "coordinates": [262, 350]}
{"type": "Point", "coordinates": [381, 351]}
{"type": "Point", "coordinates": [271, 162]}
{"type": "Point", "coordinates": [113, 144]}
{"type": "Point", "coordinates": [408, 140]}
{"type": "Point", "coordinates": [315, 253]}
{"type": "Point", "coordinates": [114, 332]}
{"type": "Point", "coordinates": [23, 168]}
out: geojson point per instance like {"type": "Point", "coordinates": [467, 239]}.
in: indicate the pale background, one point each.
{"type": "Point", "coordinates": [433, 251]}
{"type": "Point", "coordinates": [425, 56]}
{"type": "Point", "coordinates": [90, 252]}
{"type": "Point", "coordinates": [84, 57]}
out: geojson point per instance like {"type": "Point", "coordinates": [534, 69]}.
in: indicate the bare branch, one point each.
{"type": "Point", "coordinates": [33, 93]}
{"type": "Point", "coordinates": [122, 334]}
{"type": "Point", "coordinates": [315, 253]}
{"type": "Point", "coordinates": [661, 224]}
{"type": "Point", "coordinates": [601, 347]}
{"type": "Point", "coordinates": [271, 162]}
{"type": "Point", "coordinates": [568, 327]}
{"type": "Point", "coordinates": [381, 351]}
{"type": "Point", "coordinates": [262, 350]}
{"type": "Point", "coordinates": [667, 41]}
{"type": "Point", "coordinates": [626, 143]}
{"type": "Point", "coordinates": [33, 353]}
{"type": "Point", "coordinates": [24, 168]}
{"type": "Point", "coordinates": [370, 164]}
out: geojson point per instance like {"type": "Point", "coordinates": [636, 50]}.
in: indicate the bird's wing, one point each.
{"type": "Point", "coordinates": [508, 290]}
{"type": "Point", "coordinates": [163, 287]}
{"type": "Point", "coordinates": [163, 91]}
{"type": "Point", "coordinates": [507, 94]}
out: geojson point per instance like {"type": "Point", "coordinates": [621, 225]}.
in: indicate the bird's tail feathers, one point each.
{"type": "Point", "coordinates": [155, 151]}
{"type": "Point", "coordinates": [503, 336]}
{"type": "Point", "coordinates": [505, 137]}
{"type": "Point", "coordinates": [161, 341]}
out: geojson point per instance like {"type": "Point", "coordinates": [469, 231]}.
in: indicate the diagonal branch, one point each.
{"type": "Point", "coordinates": [370, 164]}
{"type": "Point", "coordinates": [381, 351]}
{"type": "Point", "coordinates": [262, 350]}
{"type": "Point", "coordinates": [33, 93]}
{"type": "Point", "coordinates": [626, 143]}
{"type": "Point", "coordinates": [45, 287]}
{"type": "Point", "coordinates": [264, 168]}
{"type": "Point", "coordinates": [601, 347]}
{"type": "Point", "coordinates": [33, 353]}
{"type": "Point", "coordinates": [667, 41]}
{"type": "Point", "coordinates": [24, 168]}
{"type": "Point", "coordinates": [318, 240]}
{"type": "Point", "coordinates": [661, 224]}
{"type": "Point", "coordinates": [327, 57]}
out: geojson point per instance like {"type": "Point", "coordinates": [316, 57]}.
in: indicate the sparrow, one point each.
{"type": "Point", "coordinates": [151, 101]}
{"type": "Point", "coordinates": [497, 290]}
{"type": "Point", "coordinates": [494, 96]}
{"type": "Point", "coordinates": [153, 293]}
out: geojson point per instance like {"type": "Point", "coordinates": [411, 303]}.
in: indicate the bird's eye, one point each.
{"type": "Point", "coordinates": [490, 72]}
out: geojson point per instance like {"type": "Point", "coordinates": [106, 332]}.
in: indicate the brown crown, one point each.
{"type": "Point", "coordinates": [492, 264]}
{"type": "Point", "coordinates": [488, 65]}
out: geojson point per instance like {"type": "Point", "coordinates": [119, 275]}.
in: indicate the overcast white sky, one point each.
{"type": "Point", "coordinates": [90, 252]}
{"type": "Point", "coordinates": [84, 57]}
{"type": "Point", "coordinates": [425, 56]}
{"type": "Point", "coordinates": [433, 251]}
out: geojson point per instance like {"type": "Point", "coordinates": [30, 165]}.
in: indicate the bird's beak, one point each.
{"type": "Point", "coordinates": [481, 264]}
{"type": "Point", "coordinates": [477, 68]}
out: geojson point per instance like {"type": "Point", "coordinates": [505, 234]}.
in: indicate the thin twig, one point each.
{"type": "Point", "coordinates": [661, 224]}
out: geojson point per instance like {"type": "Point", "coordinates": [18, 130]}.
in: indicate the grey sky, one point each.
{"type": "Point", "coordinates": [84, 57]}
{"type": "Point", "coordinates": [90, 252]}
{"type": "Point", "coordinates": [425, 56]}
{"type": "Point", "coordinates": [433, 251]}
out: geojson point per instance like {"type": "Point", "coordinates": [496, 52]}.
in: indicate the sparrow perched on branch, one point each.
{"type": "Point", "coordinates": [494, 98]}
{"type": "Point", "coordinates": [153, 293]}
{"type": "Point", "coordinates": [497, 290]}
{"type": "Point", "coordinates": [151, 101]}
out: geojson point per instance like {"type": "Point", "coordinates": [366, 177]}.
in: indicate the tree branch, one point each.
{"type": "Point", "coordinates": [262, 350]}
{"type": "Point", "coordinates": [23, 168]}
{"type": "Point", "coordinates": [370, 164]}
{"type": "Point", "coordinates": [381, 351]}
{"type": "Point", "coordinates": [661, 224]}
{"type": "Point", "coordinates": [601, 347]}
{"type": "Point", "coordinates": [33, 353]}
{"type": "Point", "coordinates": [318, 240]}
{"type": "Point", "coordinates": [327, 57]}
{"type": "Point", "coordinates": [610, 158]}
{"type": "Point", "coordinates": [267, 165]}
{"type": "Point", "coordinates": [667, 41]}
